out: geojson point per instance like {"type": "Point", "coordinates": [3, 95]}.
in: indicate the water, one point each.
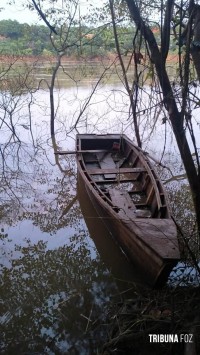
{"type": "Point", "coordinates": [57, 281]}
{"type": "Point", "coordinates": [53, 282]}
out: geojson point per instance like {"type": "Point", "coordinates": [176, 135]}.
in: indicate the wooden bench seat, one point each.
{"type": "Point", "coordinates": [103, 171]}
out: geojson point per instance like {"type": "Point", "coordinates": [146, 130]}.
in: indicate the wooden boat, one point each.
{"type": "Point", "coordinates": [128, 195]}
{"type": "Point", "coordinates": [125, 272]}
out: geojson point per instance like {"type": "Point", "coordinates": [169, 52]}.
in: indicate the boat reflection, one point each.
{"type": "Point", "coordinates": [126, 274]}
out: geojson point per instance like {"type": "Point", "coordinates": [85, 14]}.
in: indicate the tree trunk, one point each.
{"type": "Point", "coordinates": [195, 50]}
{"type": "Point", "coordinates": [171, 106]}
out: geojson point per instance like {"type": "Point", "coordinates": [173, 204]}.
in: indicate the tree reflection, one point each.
{"type": "Point", "coordinates": [53, 299]}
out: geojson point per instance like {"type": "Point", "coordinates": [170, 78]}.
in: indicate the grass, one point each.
{"type": "Point", "coordinates": [166, 311]}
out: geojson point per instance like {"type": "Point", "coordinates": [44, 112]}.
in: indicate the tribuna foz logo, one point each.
{"type": "Point", "coordinates": [171, 338]}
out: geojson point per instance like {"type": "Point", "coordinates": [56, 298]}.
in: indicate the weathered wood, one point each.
{"type": "Point", "coordinates": [142, 226]}
{"type": "Point", "coordinates": [81, 151]}
{"type": "Point", "coordinates": [158, 234]}
{"type": "Point", "coordinates": [112, 171]}
{"type": "Point", "coordinates": [122, 180]}
{"type": "Point", "coordinates": [122, 200]}
{"type": "Point", "coordinates": [90, 158]}
{"type": "Point", "coordinates": [106, 161]}
{"type": "Point", "coordinates": [150, 195]}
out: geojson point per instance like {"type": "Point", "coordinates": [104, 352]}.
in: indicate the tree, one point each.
{"type": "Point", "coordinates": [178, 107]}
{"type": "Point", "coordinates": [11, 29]}
{"type": "Point", "coordinates": [176, 22]}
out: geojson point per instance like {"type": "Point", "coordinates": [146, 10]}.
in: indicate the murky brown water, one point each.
{"type": "Point", "coordinates": [58, 271]}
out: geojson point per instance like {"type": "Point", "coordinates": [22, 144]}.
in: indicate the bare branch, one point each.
{"type": "Point", "coordinates": [52, 28]}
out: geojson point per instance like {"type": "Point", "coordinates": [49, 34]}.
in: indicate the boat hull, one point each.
{"type": "Point", "coordinates": [155, 268]}
{"type": "Point", "coordinates": [151, 243]}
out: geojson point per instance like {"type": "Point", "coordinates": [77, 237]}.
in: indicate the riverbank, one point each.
{"type": "Point", "coordinates": [155, 322]}
{"type": "Point", "coordinates": [53, 58]}
{"type": "Point", "coordinates": [110, 57]}
{"type": "Point", "coordinates": [38, 70]}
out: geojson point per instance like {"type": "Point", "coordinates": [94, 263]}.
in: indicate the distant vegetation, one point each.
{"type": "Point", "coordinates": [24, 39]}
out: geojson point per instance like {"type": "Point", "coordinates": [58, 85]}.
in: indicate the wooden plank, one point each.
{"type": "Point", "coordinates": [122, 200]}
{"type": "Point", "coordinates": [106, 137]}
{"type": "Point", "coordinates": [90, 158]}
{"type": "Point", "coordinates": [82, 151]}
{"type": "Point", "coordinates": [96, 171]}
{"type": "Point", "coordinates": [106, 162]}
{"type": "Point", "coordinates": [150, 195]}
{"type": "Point", "coordinates": [141, 204]}
{"type": "Point", "coordinates": [158, 234]}
{"type": "Point", "coordinates": [115, 181]}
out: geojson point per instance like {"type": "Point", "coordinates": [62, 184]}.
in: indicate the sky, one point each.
{"type": "Point", "coordinates": [16, 12]}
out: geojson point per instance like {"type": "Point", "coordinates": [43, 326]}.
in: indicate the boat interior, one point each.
{"type": "Point", "coordinates": [123, 176]}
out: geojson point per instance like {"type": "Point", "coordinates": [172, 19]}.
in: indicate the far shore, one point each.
{"type": "Point", "coordinates": [110, 57]}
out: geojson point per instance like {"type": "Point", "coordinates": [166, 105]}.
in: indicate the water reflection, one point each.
{"type": "Point", "coordinates": [54, 283]}
{"type": "Point", "coordinates": [53, 298]}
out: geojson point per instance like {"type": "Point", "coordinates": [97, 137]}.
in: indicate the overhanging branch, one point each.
{"type": "Point", "coordinates": [43, 17]}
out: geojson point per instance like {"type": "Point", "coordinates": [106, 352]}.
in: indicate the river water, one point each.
{"type": "Point", "coordinates": [59, 271]}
